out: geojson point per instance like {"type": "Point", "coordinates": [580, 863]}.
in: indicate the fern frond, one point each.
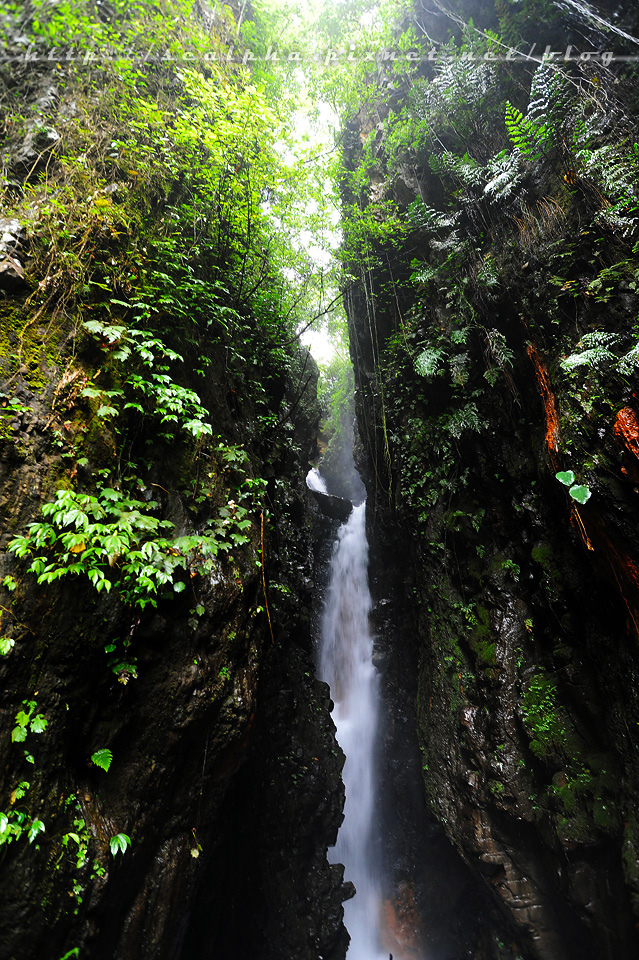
{"type": "Point", "coordinates": [505, 173]}
{"type": "Point", "coordinates": [595, 351]}
{"type": "Point", "coordinates": [466, 418]}
{"type": "Point", "coordinates": [428, 361]}
{"type": "Point", "coordinates": [526, 136]}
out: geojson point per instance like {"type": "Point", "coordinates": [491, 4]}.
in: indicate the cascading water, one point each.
{"type": "Point", "coordinates": [346, 665]}
{"type": "Point", "coordinates": [315, 481]}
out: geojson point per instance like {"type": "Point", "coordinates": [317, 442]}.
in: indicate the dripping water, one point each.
{"type": "Point", "coordinates": [345, 663]}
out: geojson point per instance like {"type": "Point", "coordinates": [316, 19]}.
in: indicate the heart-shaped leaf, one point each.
{"type": "Point", "coordinates": [566, 477]}
{"type": "Point", "coordinates": [580, 493]}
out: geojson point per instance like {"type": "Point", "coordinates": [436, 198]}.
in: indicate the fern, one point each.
{"type": "Point", "coordinates": [529, 138]}
{"type": "Point", "coordinates": [613, 168]}
{"type": "Point", "coordinates": [550, 101]}
{"type": "Point", "coordinates": [466, 169]}
{"type": "Point", "coordinates": [426, 218]}
{"type": "Point", "coordinates": [102, 758]}
{"type": "Point", "coordinates": [428, 361]}
{"type": "Point", "coordinates": [548, 108]}
{"type": "Point", "coordinates": [501, 353]}
{"type": "Point", "coordinates": [595, 351]}
{"type": "Point", "coordinates": [466, 418]}
{"type": "Point", "coordinates": [628, 363]}
{"type": "Point", "coordinates": [505, 175]}
{"type": "Point", "coordinates": [459, 368]}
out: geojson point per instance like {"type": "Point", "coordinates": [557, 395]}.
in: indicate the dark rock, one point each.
{"type": "Point", "coordinates": [11, 274]}
{"type": "Point", "coordinates": [333, 507]}
{"type": "Point", "coordinates": [34, 150]}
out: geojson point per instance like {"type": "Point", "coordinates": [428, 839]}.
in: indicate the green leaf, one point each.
{"type": "Point", "coordinates": [102, 758]}
{"type": "Point", "coordinates": [580, 493]}
{"type": "Point", "coordinates": [18, 735]}
{"type": "Point", "coordinates": [6, 644]}
{"type": "Point", "coordinates": [179, 586]}
{"type": "Point", "coordinates": [21, 789]}
{"type": "Point", "coordinates": [38, 724]}
{"type": "Point", "coordinates": [566, 477]}
{"type": "Point", "coordinates": [119, 843]}
{"type": "Point", "coordinates": [36, 827]}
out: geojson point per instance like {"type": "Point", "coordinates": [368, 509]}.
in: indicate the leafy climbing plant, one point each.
{"type": "Point", "coordinates": [114, 540]}
{"type": "Point", "coordinates": [155, 391]}
{"type": "Point", "coordinates": [119, 843]}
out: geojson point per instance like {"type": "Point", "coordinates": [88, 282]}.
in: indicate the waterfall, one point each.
{"type": "Point", "coordinates": [345, 663]}
{"type": "Point", "coordinates": [315, 481]}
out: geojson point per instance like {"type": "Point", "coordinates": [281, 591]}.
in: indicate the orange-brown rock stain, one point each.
{"type": "Point", "coordinates": [626, 432]}
{"type": "Point", "coordinates": [549, 402]}
{"type": "Point", "coordinates": [614, 563]}
{"type": "Point", "coordinates": [401, 925]}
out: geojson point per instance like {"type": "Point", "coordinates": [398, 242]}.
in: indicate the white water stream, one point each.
{"type": "Point", "coordinates": [315, 481]}
{"type": "Point", "coordinates": [346, 665]}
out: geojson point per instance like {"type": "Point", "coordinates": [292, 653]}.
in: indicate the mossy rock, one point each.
{"type": "Point", "coordinates": [30, 351]}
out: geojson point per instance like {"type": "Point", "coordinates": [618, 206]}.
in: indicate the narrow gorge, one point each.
{"type": "Point", "coordinates": [325, 657]}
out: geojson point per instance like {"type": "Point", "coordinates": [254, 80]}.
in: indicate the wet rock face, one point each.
{"type": "Point", "coordinates": [187, 698]}
{"type": "Point", "coordinates": [220, 736]}
{"type": "Point", "coordinates": [207, 756]}
{"type": "Point", "coordinates": [433, 904]}
{"type": "Point", "coordinates": [521, 600]}
{"type": "Point", "coordinates": [280, 817]}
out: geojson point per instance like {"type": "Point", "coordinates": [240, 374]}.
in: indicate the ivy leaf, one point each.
{"type": "Point", "coordinates": [102, 758]}
{"type": "Point", "coordinates": [566, 477]}
{"type": "Point", "coordinates": [119, 842]}
{"type": "Point", "coordinates": [38, 724]}
{"type": "Point", "coordinates": [36, 827]}
{"type": "Point", "coordinates": [580, 493]}
{"type": "Point", "coordinates": [6, 645]}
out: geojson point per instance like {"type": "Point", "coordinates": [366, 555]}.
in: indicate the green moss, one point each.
{"type": "Point", "coordinates": [32, 349]}
{"type": "Point", "coordinates": [542, 554]}
{"type": "Point", "coordinates": [481, 639]}
{"type": "Point", "coordinates": [485, 652]}
{"type": "Point", "coordinates": [601, 814]}
{"type": "Point", "coordinates": [545, 721]}
{"type": "Point", "coordinates": [496, 787]}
